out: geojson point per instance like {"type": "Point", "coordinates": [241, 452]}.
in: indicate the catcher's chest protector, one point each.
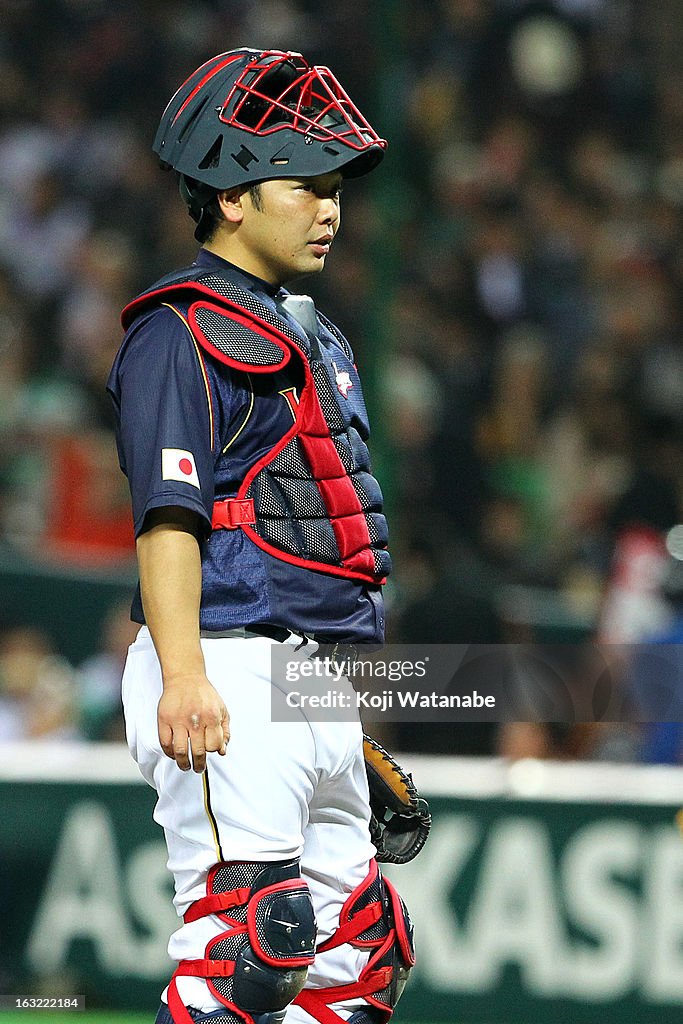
{"type": "Point", "coordinates": [311, 500]}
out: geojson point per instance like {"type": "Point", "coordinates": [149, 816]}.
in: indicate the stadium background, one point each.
{"type": "Point", "coordinates": [511, 283]}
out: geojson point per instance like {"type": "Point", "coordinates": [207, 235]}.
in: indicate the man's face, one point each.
{"type": "Point", "coordinates": [292, 232]}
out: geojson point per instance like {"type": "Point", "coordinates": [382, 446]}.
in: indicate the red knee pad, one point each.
{"type": "Point", "coordinates": [374, 917]}
{"type": "Point", "coordinates": [259, 963]}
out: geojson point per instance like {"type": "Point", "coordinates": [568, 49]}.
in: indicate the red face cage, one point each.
{"type": "Point", "coordinates": [281, 90]}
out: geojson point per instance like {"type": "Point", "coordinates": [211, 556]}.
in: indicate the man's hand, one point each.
{"type": "Point", "coordinates": [192, 716]}
{"type": "Point", "coordinates": [193, 720]}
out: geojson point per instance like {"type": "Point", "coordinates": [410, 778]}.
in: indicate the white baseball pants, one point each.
{"type": "Point", "coordinates": [282, 790]}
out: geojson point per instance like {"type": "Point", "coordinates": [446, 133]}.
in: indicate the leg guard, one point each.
{"type": "Point", "coordinates": [374, 917]}
{"type": "Point", "coordinates": [259, 963]}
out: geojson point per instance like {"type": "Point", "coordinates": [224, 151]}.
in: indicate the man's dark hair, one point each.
{"type": "Point", "coordinates": [213, 217]}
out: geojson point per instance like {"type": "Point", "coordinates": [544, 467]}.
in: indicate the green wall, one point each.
{"type": "Point", "coordinates": [526, 912]}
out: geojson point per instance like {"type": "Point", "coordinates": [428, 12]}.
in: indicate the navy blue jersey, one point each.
{"type": "Point", "coordinates": [188, 430]}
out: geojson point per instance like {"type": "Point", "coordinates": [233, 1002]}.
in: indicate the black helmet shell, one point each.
{"type": "Point", "coordinates": [251, 115]}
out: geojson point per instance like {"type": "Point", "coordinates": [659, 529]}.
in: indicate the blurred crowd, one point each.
{"type": "Point", "coordinates": [510, 280]}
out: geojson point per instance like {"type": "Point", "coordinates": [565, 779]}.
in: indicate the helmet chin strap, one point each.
{"type": "Point", "coordinates": [196, 195]}
{"type": "Point", "coordinates": [200, 231]}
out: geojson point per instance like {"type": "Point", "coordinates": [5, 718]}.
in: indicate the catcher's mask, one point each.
{"type": "Point", "coordinates": [251, 115]}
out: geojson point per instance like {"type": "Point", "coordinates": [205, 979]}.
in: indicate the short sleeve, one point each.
{"type": "Point", "coordinates": [163, 402]}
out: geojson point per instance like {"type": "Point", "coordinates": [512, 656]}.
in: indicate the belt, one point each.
{"type": "Point", "coordinates": [326, 649]}
{"type": "Point", "coordinates": [278, 633]}
{"type": "Point", "coordinates": [338, 653]}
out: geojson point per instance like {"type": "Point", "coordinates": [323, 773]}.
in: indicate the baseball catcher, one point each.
{"type": "Point", "coordinates": [242, 430]}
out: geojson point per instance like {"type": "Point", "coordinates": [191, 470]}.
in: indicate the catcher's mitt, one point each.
{"type": "Point", "coordinates": [400, 821]}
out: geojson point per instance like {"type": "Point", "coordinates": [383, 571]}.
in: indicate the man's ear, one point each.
{"type": "Point", "coordinates": [230, 203]}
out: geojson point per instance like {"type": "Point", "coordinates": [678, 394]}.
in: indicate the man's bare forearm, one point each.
{"type": "Point", "coordinates": [192, 716]}
{"type": "Point", "coordinates": [171, 585]}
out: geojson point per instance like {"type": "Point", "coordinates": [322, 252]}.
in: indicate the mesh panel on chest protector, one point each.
{"type": "Point", "coordinates": [372, 529]}
{"type": "Point", "coordinates": [368, 492]}
{"type": "Point", "coordinates": [291, 461]}
{"type": "Point", "coordinates": [328, 402]}
{"type": "Point", "coordinates": [247, 300]}
{"type": "Point", "coordinates": [268, 497]}
{"type": "Point", "coordinates": [304, 497]}
{"type": "Point", "coordinates": [336, 333]}
{"type": "Point", "coordinates": [345, 452]}
{"type": "Point", "coordinates": [377, 528]}
{"type": "Point", "coordinates": [370, 498]}
{"type": "Point", "coordinates": [382, 560]}
{"type": "Point", "coordinates": [270, 938]}
{"type": "Point", "coordinates": [361, 454]}
{"type": "Point", "coordinates": [313, 539]}
{"type": "Point", "coordinates": [236, 340]}
{"type": "Point", "coordinates": [320, 540]}
{"type": "Point", "coordinates": [280, 534]}
{"type": "Point", "coordinates": [304, 535]}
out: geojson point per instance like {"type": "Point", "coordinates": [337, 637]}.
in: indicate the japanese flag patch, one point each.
{"type": "Point", "coordinates": [177, 464]}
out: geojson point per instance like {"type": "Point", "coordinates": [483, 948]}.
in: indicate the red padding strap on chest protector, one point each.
{"type": "Point", "coordinates": [233, 513]}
